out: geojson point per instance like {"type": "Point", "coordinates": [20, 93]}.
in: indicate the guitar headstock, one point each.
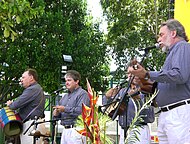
{"type": "Point", "coordinates": [133, 63]}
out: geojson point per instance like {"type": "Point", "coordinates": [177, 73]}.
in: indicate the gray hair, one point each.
{"type": "Point", "coordinates": [175, 25]}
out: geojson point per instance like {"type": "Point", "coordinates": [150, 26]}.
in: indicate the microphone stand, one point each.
{"type": "Point", "coordinates": [35, 127]}
{"type": "Point", "coordinates": [53, 129]}
{"type": "Point", "coordinates": [125, 98]}
{"type": "Point", "coordinates": [56, 92]}
{"type": "Point", "coordinates": [29, 127]}
{"type": "Point", "coordinates": [3, 94]}
{"type": "Point", "coordinates": [53, 121]}
{"type": "Point", "coordinates": [112, 101]}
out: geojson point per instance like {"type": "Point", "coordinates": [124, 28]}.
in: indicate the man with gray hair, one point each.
{"type": "Point", "coordinates": [173, 84]}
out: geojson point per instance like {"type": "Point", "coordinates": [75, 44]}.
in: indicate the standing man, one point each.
{"type": "Point", "coordinates": [70, 107]}
{"type": "Point", "coordinates": [128, 114]}
{"type": "Point", "coordinates": [173, 84]}
{"type": "Point", "coordinates": [30, 105]}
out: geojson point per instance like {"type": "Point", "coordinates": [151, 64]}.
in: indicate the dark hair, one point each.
{"type": "Point", "coordinates": [74, 74]}
{"type": "Point", "coordinates": [175, 25]}
{"type": "Point", "coordinates": [33, 72]}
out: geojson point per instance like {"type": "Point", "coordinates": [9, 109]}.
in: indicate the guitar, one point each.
{"type": "Point", "coordinates": [146, 86]}
{"type": "Point", "coordinates": [118, 100]}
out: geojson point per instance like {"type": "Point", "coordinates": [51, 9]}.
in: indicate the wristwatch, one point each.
{"type": "Point", "coordinates": [147, 76]}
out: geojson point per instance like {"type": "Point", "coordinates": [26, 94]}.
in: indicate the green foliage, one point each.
{"type": "Point", "coordinates": [14, 12]}
{"type": "Point", "coordinates": [134, 128]}
{"type": "Point", "coordinates": [64, 28]}
{"type": "Point", "coordinates": [132, 25]}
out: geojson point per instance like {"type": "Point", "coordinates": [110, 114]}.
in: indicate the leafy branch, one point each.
{"type": "Point", "coordinates": [14, 12]}
{"type": "Point", "coordinates": [133, 131]}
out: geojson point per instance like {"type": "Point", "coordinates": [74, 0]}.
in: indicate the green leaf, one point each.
{"type": "Point", "coordinates": [12, 37]}
{"type": "Point", "coordinates": [6, 33]}
{"type": "Point", "coordinates": [18, 20]}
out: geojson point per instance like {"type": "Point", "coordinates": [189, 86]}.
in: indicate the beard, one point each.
{"type": "Point", "coordinates": [165, 49]}
{"type": "Point", "coordinates": [166, 44]}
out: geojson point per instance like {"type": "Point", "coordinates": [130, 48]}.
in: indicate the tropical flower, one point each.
{"type": "Point", "coordinates": [90, 118]}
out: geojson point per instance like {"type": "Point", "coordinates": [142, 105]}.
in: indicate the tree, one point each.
{"type": "Point", "coordinates": [64, 28]}
{"type": "Point", "coordinates": [132, 25]}
{"type": "Point", "coordinates": [14, 12]}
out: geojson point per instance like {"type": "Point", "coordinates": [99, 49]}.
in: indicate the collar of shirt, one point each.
{"type": "Point", "coordinates": [74, 89]}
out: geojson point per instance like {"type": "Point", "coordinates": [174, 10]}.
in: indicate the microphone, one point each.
{"type": "Point", "coordinates": [57, 91]}
{"type": "Point", "coordinates": [157, 45]}
{"type": "Point", "coordinates": [14, 83]}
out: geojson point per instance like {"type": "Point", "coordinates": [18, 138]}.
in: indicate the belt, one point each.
{"type": "Point", "coordinates": [68, 126]}
{"type": "Point", "coordinates": [143, 123]}
{"type": "Point", "coordinates": [167, 108]}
